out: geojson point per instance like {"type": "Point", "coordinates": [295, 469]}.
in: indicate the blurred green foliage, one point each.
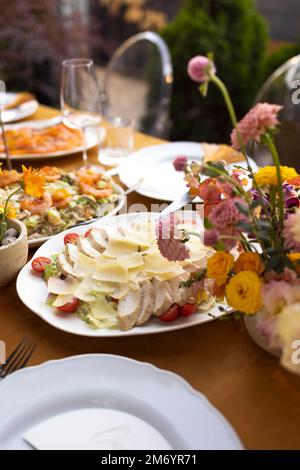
{"type": "Point", "coordinates": [278, 57]}
{"type": "Point", "coordinates": [237, 35]}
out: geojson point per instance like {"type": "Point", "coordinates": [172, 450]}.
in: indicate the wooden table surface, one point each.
{"type": "Point", "coordinates": [247, 385]}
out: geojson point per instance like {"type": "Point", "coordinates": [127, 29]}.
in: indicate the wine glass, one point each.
{"type": "Point", "coordinates": [80, 97]}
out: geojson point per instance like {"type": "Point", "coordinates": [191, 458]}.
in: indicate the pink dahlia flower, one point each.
{"type": "Point", "coordinates": [200, 69]}
{"type": "Point", "coordinates": [169, 239]}
{"type": "Point", "coordinates": [180, 163]}
{"type": "Point", "coordinates": [277, 294]}
{"type": "Point", "coordinates": [255, 123]}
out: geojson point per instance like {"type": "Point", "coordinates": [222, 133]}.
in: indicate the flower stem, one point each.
{"type": "Point", "coordinates": [222, 87]}
{"type": "Point", "coordinates": [276, 161]}
{"type": "Point", "coordinates": [3, 221]}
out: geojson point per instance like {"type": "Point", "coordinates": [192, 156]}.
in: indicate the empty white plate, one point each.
{"type": "Point", "coordinates": [154, 165]}
{"type": "Point", "coordinates": [19, 112]}
{"type": "Point", "coordinates": [182, 416]}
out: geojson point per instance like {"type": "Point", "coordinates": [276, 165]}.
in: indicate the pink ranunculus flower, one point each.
{"type": "Point", "coordinates": [200, 69]}
{"type": "Point", "coordinates": [180, 163]}
{"type": "Point", "coordinates": [169, 239]}
{"type": "Point", "coordinates": [260, 119]}
{"type": "Point", "coordinates": [277, 294]}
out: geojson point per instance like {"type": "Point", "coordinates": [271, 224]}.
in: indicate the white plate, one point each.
{"type": "Point", "coordinates": [20, 112]}
{"type": "Point", "coordinates": [182, 415]}
{"type": "Point", "coordinates": [116, 209]}
{"type": "Point", "coordinates": [154, 163]}
{"type": "Point", "coordinates": [93, 137]}
{"type": "Point", "coordinates": [33, 293]}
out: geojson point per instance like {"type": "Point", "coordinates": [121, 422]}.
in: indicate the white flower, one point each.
{"type": "Point", "coordinates": [288, 330]}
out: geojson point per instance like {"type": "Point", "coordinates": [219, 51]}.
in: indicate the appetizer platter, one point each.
{"type": "Point", "coordinates": [155, 162]}
{"type": "Point", "coordinates": [18, 106]}
{"type": "Point", "coordinates": [47, 138]}
{"type": "Point", "coordinates": [111, 280]}
{"type": "Point", "coordinates": [70, 198]}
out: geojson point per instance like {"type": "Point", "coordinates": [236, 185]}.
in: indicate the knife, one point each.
{"type": "Point", "coordinates": [179, 203]}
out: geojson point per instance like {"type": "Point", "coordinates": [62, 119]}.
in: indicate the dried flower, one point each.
{"type": "Point", "coordinates": [180, 163]}
{"type": "Point", "coordinates": [169, 239]}
{"type": "Point", "coordinates": [259, 120]}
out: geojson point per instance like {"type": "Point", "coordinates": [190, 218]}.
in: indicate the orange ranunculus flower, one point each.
{"type": "Point", "coordinates": [33, 182]}
{"type": "Point", "coordinates": [219, 266]}
{"type": "Point", "coordinates": [294, 181]}
{"type": "Point", "coordinates": [295, 259]}
{"type": "Point", "coordinates": [249, 261]}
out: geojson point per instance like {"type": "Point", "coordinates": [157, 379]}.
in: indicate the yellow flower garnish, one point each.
{"type": "Point", "coordinates": [249, 261]}
{"type": "Point", "coordinates": [295, 259]}
{"type": "Point", "coordinates": [267, 175]}
{"type": "Point", "coordinates": [219, 266]}
{"type": "Point", "coordinates": [243, 292]}
{"type": "Point", "coordinates": [11, 212]}
{"type": "Point", "coordinates": [33, 182]}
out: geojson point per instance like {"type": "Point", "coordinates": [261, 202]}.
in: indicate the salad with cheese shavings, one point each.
{"type": "Point", "coordinates": [70, 198]}
{"type": "Point", "coordinates": [116, 277]}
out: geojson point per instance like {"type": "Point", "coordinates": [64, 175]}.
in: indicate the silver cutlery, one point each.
{"type": "Point", "coordinates": [18, 358]}
{"type": "Point", "coordinates": [176, 205]}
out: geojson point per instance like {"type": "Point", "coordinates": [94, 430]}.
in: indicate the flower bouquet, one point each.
{"type": "Point", "coordinates": [252, 221]}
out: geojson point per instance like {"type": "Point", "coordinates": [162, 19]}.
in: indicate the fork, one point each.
{"type": "Point", "coordinates": [18, 358]}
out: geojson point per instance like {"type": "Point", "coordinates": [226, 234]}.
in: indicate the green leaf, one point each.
{"type": "Point", "coordinates": [242, 208]}
{"type": "Point", "coordinates": [203, 88]}
{"type": "Point", "coordinates": [207, 223]}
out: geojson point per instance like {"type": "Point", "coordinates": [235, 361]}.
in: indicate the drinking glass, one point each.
{"type": "Point", "coordinates": [119, 140]}
{"type": "Point", "coordinates": [80, 97]}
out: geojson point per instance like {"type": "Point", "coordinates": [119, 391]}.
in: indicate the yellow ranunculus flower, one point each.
{"type": "Point", "coordinates": [268, 176]}
{"type": "Point", "coordinates": [219, 266]}
{"type": "Point", "coordinates": [249, 261]}
{"type": "Point", "coordinates": [243, 292]}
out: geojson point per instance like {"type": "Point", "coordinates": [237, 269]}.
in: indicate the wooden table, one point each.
{"type": "Point", "coordinates": [258, 397]}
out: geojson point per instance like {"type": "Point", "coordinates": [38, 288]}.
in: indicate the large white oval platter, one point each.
{"type": "Point", "coordinates": [33, 292]}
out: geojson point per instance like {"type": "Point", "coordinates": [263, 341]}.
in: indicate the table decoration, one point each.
{"type": "Point", "coordinates": [13, 233]}
{"type": "Point", "coordinates": [252, 220]}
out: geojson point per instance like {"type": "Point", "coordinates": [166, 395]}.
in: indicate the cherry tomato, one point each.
{"type": "Point", "coordinates": [39, 264]}
{"type": "Point", "coordinates": [87, 233]}
{"type": "Point", "coordinates": [70, 307]}
{"type": "Point", "coordinates": [171, 314]}
{"type": "Point", "coordinates": [71, 238]}
{"type": "Point", "coordinates": [187, 310]}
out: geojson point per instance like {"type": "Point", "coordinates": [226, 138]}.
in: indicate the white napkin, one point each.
{"type": "Point", "coordinates": [95, 429]}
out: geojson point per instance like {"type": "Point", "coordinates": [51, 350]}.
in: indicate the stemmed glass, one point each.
{"type": "Point", "coordinates": [80, 97]}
